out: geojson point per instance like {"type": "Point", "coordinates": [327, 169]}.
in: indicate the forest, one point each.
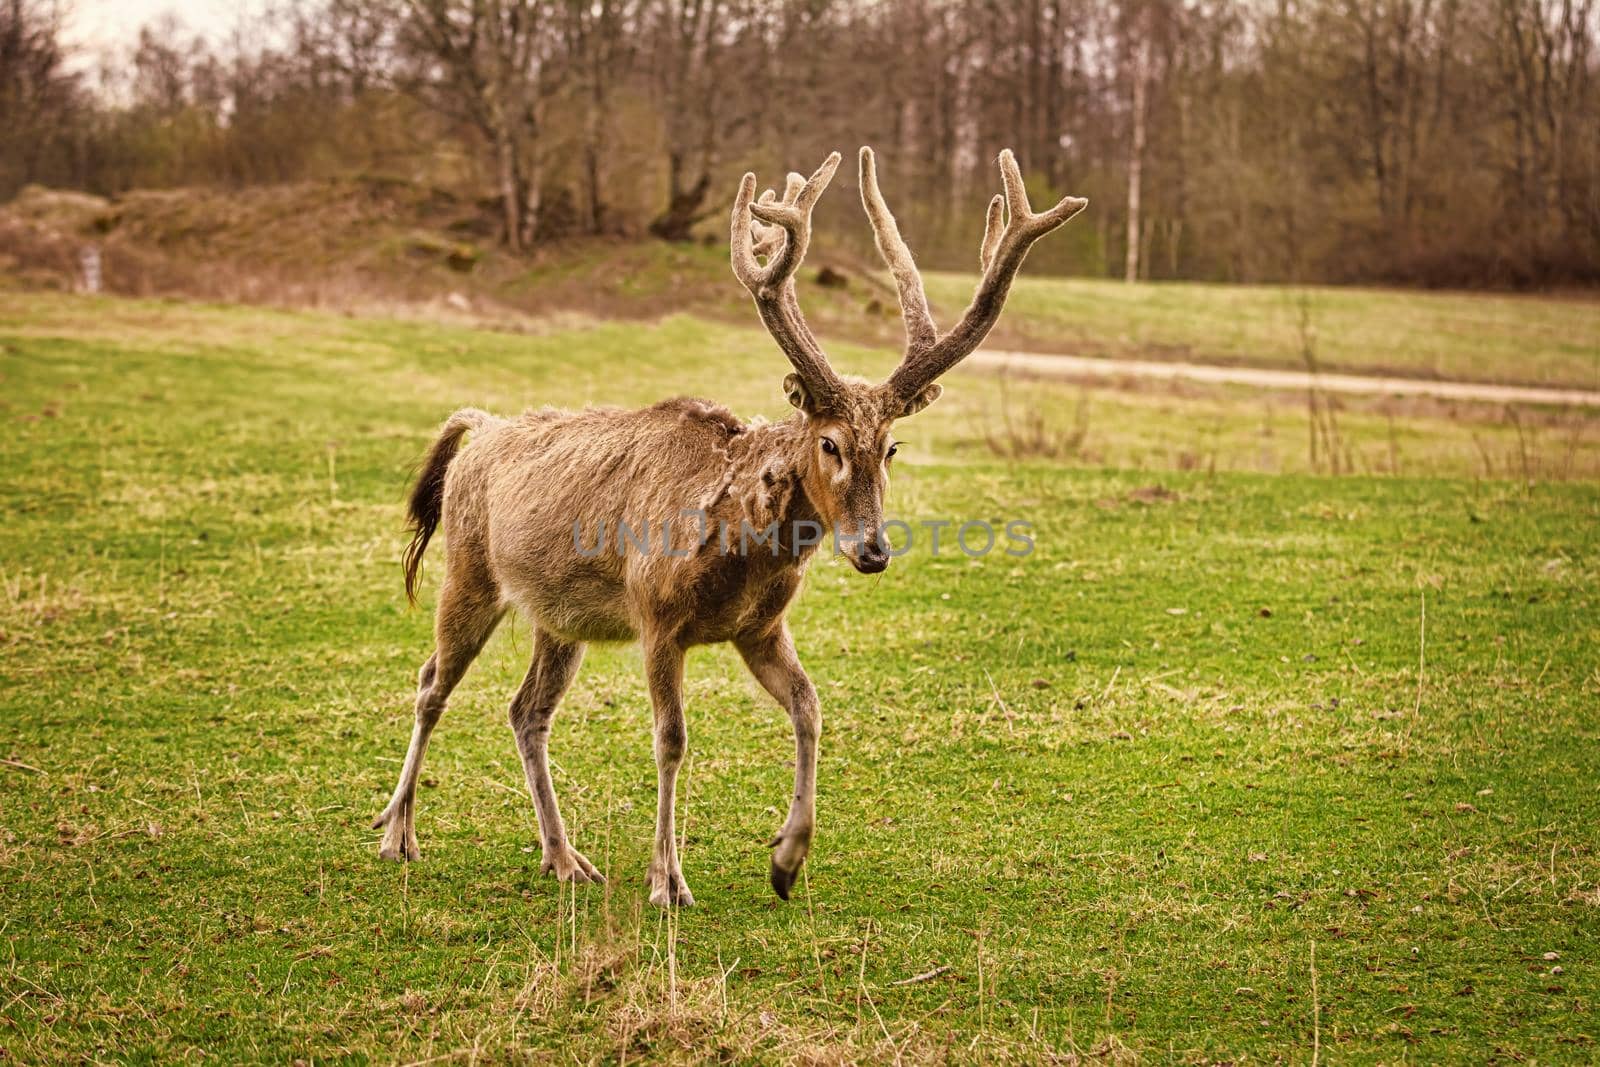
{"type": "Point", "coordinates": [1451, 143]}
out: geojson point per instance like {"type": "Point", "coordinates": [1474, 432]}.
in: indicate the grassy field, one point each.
{"type": "Point", "coordinates": [1243, 763]}
{"type": "Point", "coordinates": [1530, 340]}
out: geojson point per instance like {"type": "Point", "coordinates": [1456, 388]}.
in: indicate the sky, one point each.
{"type": "Point", "coordinates": [108, 25]}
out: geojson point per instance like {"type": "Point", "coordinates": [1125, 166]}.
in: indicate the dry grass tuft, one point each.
{"type": "Point", "coordinates": [620, 998]}
{"type": "Point", "coordinates": [1024, 431]}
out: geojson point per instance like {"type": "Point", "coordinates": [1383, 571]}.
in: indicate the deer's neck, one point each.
{"type": "Point", "coordinates": [764, 481]}
{"type": "Point", "coordinates": [800, 509]}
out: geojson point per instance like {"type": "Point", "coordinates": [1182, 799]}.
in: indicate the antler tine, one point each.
{"type": "Point", "coordinates": [920, 330]}
{"type": "Point", "coordinates": [795, 218]}
{"type": "Point", "coordinates": [770, 238]}
{"type": "Point", "coordinates": [993, 226]}
{"type": "Point", "coordinates": [1017, 206]}
{"type": "Point", "coordinates": [767, 238]}
{"type": "Point", "coordinates": [1009, 231]}
{"type": "Point", "coordinates": [772, 284]}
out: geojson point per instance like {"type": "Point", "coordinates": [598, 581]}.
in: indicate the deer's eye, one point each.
{"type": "Point", "coordinates": [829, 447]}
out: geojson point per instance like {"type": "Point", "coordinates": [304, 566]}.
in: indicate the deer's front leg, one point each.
{"type": "Point", "coordinates": [664, 671]}
{"type": "Point", "coordinates": [771, 658]}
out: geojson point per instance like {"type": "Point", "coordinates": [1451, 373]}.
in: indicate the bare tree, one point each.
{"type": "Point", "coordinates": [600, 39]}
{"type": "Point", "coordinates": [1447, 141]}
{"type": "Point", "coordinates": [1139, 76]}
{"type": "Point", "coordinates": [37, 93]}
{"type": "Point", "coordinates": [688, 38]}
{"type": "Point", "coordinates": [483, 61]}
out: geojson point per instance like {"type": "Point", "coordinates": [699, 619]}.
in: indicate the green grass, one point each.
{"type": "Point", "coordinates": [1184, 784]}
{"type": "Point", "coordinates": [1472, 337]}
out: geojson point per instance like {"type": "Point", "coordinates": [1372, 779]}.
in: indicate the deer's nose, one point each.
{"type": "Point", "coordinates": [872, 559]}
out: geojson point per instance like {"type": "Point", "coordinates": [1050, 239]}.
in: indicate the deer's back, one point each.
{"type": "Point", "coordinates": [536, 505]}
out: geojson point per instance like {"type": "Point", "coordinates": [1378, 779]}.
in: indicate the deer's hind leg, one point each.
{"type": "Point", "coordinates": [469, 610]}
{"type": "Point", "coordinates": [555, 663]}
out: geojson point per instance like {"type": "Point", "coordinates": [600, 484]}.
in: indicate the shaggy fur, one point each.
{"type": "Point", "coordinates": [526, 500]}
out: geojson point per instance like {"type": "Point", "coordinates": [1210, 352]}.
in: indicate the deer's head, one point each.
{"type": "Point", "coordinates": [848, 422]}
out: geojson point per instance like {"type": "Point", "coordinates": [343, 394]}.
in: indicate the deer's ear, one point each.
{"type": "Point", "coordinates": [795, 390]}
{"type": "Point", "coordinates": [928, 395]}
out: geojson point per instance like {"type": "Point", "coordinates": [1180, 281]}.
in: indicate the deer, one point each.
{"type": "Point", "coordinates": [513, 499]}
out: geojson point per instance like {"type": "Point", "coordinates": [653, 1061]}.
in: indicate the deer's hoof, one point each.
{"type": "Point", "coordinates": [570, 865]}
{"type": "Point", "coordinates": [670, 890]}
{"type": "Point", "coordinates": [399, 839]}
{"type": "Point", "coordinates": [404, 851]}
{"type": "Point", "coordinates": [789, 852]}
{"type": "Point", "coordinates": [782, 880]}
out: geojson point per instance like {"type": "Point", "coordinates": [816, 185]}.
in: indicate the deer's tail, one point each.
{"type": "Point", "coordinates": [426, 506]}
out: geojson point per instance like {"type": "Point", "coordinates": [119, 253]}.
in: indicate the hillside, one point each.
{"type": "Point", "coordinates": [368, 244]}
{"type": "Point", "coordinates": [373, 245]}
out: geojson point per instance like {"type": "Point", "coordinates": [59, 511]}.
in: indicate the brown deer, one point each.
{"type": "Point", "coordinates": [515, 501]}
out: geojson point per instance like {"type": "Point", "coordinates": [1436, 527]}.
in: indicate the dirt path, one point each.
{"type": "Point", "coordinates": [1082, 367]}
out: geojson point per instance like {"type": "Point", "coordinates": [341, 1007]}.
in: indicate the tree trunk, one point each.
{"type": "Point", "coordinates": [676, 223]}
{"type": "Point", "coordinates": [532, 186]}
{"type": "Point", "coordinates": [1141, 62]}
{"type": "Point", "coordinates": [594, 149]}
{"type": "Point", "coordinates": [510, 189]}
{"type": "Point", "coordinates": [596, 203]}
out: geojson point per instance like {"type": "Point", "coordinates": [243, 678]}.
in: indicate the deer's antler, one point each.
{"type": "Point", "coordinates": [780, 230]}
{"type": "Point", "coordinates": [1011, 229]}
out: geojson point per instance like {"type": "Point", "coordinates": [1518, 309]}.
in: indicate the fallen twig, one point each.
{"type": "Point", "coordinates": [19, 765]}
{"type": "Point", "coordinates": [924, 976]}
{"type": "Point", "coordinates": [1005, 711]}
